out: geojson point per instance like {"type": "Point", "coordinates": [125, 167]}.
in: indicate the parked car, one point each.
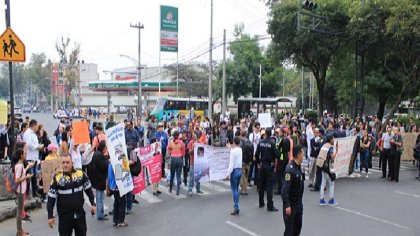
{"type": "Point", "coordinates": [60, 114]}
{"type": "Point", "coordinates": [122, 110]}
{"type": "Point", "coordinates": [18, 112]}
{"type": "Point", "coordinates": [36, 110]}
{"type": "Point", "coordinates": [27, 108]}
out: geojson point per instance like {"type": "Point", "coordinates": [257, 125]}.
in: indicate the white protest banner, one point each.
{"type": "Point", "coordinates": [343, 158]}
{"type": "Point", "coordinates": [265, 120]}
{"type": "Point", "coordinates": [210, 163]}
{"type": "Point", "coordinates": [115, 141]}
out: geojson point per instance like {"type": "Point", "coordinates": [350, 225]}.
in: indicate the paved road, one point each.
{"type": "Point", "coordinates": [366, 207]}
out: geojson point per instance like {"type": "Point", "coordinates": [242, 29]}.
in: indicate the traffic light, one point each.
{"type": "Point", "coordinates": [309, 5]}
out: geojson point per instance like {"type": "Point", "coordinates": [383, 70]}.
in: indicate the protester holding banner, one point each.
{"type": "Point", "coordinates": [162, 137]}
{"type": "Point", "coordinates": [327, 155]}
{"type": "Point", "coordinates": [120, 202]}
{"type": "Point", "coordinates": [190, 148]}
{"type": "Point", "coordinates": [98, 174]}
{"type": "Point", "coordinates": [176, 151]}
{"type": "Point", "coordinates": [234, 172]}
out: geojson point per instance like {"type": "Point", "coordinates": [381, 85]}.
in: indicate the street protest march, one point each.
{"type": "Point", "coordinates": [117, 148]}
{"type": "Point", "coordinates": [151, 162]}
{"type": "Point", "coordinates": [211, 163]}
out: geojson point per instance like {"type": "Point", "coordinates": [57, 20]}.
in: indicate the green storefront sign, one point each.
{"type": "Point", "coordinates": [168, 29]}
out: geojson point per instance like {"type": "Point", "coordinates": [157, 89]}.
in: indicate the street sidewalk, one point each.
{"type": "Point", "coordinates": [8, 208]}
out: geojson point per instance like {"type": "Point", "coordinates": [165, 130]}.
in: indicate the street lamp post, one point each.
{"type": "Point", "coordinates": [139, 96]}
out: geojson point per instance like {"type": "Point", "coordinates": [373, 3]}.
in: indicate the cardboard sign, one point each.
{"type": "Point", "coordinates": [49, 169]}
{"type": "Point", "coordinates": [80, 132]}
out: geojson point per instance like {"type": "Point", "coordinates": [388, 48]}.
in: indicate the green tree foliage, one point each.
{"type": "Point", "coordinates": [242, 71]}
{"type": "Point", "coordinates": [193, 79]}
{"type": "Point", "coordinates": [313, 49]}
{"type": "Point", "coordinates": [38, 74]}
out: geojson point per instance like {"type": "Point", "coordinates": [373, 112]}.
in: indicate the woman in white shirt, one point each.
{"type": "Point", "coordinates": [235, 173]}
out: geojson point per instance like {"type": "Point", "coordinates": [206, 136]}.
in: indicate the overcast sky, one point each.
{"type": "Point", "coordinates": [102, 27]}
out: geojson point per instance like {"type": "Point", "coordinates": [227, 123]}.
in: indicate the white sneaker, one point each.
{"type": "Point", "coordinates": [367, 176]}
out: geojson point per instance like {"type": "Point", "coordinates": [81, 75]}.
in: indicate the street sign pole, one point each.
{"type": "Point", "coordinates": [12, 99]}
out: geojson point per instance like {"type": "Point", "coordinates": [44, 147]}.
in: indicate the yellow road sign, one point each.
{"type": "Point", "coordinates": [13, 48]}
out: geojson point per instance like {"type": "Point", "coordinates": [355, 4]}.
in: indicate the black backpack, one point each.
{"type": "Point", "coordinates": [135, 169]}
{"type": "Point", "coordinates": [248, 151]}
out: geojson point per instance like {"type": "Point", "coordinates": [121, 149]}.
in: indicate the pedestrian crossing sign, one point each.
{"type": "Point", "coordinates": [12, 47]}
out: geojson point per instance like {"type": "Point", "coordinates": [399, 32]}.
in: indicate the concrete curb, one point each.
{"type": "Point", "coordinates": [8, 208]}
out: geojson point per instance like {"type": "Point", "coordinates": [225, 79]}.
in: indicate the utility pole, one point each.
{"type": "Point", "coordinates": [224, 101]}
{"type": "Point", "coordinates": [260, 80]}
{"type": "Point", "coordinates": [283, 85]}
{"type": "Point", "coordinates": [12, 99]}
{"type": "Point", "coordinates": [210, 65]}
{"type": "Point", "coordinates": [303, 107]}
{"type": "Point", "coordinates": [139, 97]}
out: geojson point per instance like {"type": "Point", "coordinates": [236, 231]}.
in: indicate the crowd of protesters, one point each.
{"type": "Point", "coordinates": [248, 166]}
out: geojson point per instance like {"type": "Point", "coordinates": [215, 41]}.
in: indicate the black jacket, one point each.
{"type": "Point", "coordinates": [98, 171]}
{"type": "Point", "coordinates": [293, 185]}
{"type": "Point", "coordinates": [266, 152]}
{"type": "Point", "coordinates": [68, 192]}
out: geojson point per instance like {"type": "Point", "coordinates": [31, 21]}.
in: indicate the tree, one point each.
{"type": "Point", "coordinates": [68, 61]}
{"type": "Point", "coordinates": [313, 49]}
{"type": "Point", "coordinates": [38, 73]}
{"type": "Point", "coordinates": [193, 78]}
{"type": "Point", "coordinates": [19, 81]}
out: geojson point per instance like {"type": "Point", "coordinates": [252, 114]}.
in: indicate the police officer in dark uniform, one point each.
{"type": "Point", "coordinates": [292, 193]}
{"type": "Point", "coordinates": [265, 156]}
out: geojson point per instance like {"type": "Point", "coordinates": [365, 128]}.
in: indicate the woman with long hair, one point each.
{"type": "Point", "coordinates": [235, 172]}
{"type": "Point", "coordinates": [64, 146]}
{"type": "Point", "coordinates": [215, 137]}
{"type": "Point", "coordinates": [21, 178]}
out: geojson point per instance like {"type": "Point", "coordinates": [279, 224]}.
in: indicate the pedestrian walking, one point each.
{"type": "Point", "coordinates": [98, 175]}
{"type": "Point", "coordinates": [67, 190]}
{"type": "Point", "coordinates": [292, 193]}
{"type": "Point", "coordinates": [386, 158]}
{"type": "Point", "coordinates": [365, 142]}
{"type": "Point", "coordinates": [234, 172]}
{"type": "Point", "coordinates": [265, 159]}
{"type": "Point", "coordinates": [21, 178]}
{"type": "Point", "coordinates": [247, 157]}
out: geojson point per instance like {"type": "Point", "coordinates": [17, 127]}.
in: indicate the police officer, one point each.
{"type": "Point", "coordinates": [265, 156]}
{"type": "Point", "coordinates": [292, 192]}
{"type": "Point", "coordinates": [67, 189]}
{"type": "Point", "coordinates": [283, 147]}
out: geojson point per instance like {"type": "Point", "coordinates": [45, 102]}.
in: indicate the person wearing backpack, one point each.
{"type": "Point", "coordinates": [20, 186]}
{"type": "Point", "coordinates": [247, 157]}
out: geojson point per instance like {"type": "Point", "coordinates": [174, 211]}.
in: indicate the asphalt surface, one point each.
{"type": "Point", "coordinates": [371, 206]}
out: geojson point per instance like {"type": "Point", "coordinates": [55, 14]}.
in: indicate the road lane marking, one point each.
{"type": "Point", "coordinates": [408, 194]}
{"type": "Point", "coordinates": [241, 228]}
{"type": "Point", "coordinates": [165, 190]}
{"type": "Point", "coordinates": [148, 197]}
{"type": "Point", "coordinates": [373, 218]}
{"type": "Point", "coordinates": [213, 187]}
{"type": "Point", "coordinates": [194, 192]}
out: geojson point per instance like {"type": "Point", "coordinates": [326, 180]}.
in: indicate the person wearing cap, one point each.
{"type": "Point", "coordinates": [265, 156]}
{"type": "Point", "coordinates": [52, 152]}
{"type": "Point", "coordinates": [162, 137]}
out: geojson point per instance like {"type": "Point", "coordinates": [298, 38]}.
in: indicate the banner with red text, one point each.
{"type": "Point", "coordinates": [151, 164]}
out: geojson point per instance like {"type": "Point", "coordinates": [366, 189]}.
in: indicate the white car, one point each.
{"type": "Point", "coordinates": [60, 114]}
{"type": "Point", "coordinates": [122, 110]}
{"type": "Point", "coordinates": [18, 112]}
